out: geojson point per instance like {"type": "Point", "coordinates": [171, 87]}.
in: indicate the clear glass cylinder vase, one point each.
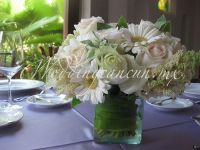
{"type": "Point", "coordinates": [119, 120]}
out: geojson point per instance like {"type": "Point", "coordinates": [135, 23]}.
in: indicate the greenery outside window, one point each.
{"type": "Point", "coordinates": [39, 23]}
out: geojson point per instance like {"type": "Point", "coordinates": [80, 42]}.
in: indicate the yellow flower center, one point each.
{"type": "Point", "coordinates": [138, 39]}
{"type": "Point", "coordinates": [90, 82]}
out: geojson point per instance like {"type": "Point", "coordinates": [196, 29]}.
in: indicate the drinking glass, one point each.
{"type": "Point", "coordinates": [11, 61]}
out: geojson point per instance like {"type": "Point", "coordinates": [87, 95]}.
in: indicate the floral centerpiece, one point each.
{"type": "Point", "coordinates": [113, 64]}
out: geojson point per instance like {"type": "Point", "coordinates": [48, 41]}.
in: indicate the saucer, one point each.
{"type": "Point", "coordinates": [7, 118]}
{"type": "Point", "coordinates": [170, 104]}
{"type": "Point", "coordinates": [48, 100]}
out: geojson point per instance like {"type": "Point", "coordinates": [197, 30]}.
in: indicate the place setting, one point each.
{"type": "Point", "coordinates": [189, 98]}
{"type": "Point", "coordinates": [13, 115]}
{"type": "Point", "coordinates": [48, 100]}
{"type": "Point", "coordinates": [20, 85]}
{"type": "Point", "coordinates": [164, 103]}
{"type": "Point", "coordinates": [192, 91]}
{"type": "Point", "coordinates": [12, 111]}
{"type": "Point", "coordinates": [11, 62]}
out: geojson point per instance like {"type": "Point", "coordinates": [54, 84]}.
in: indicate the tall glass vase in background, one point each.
{"type": "Point", "coordinates": [119, 120]}
{"type": "Point", "coordinates": [11, 61]}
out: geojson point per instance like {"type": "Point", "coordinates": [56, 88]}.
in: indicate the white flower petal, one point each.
{"type": "Point", "coordinates": [88, 25]}
{"type": "Point", "coordinates": [75, 78]}
{"type": "Point", "coordinates": [133, 84]}
{"type": "Point", "coordinates": [138, 49]}
{"type": "Point", "coordinates": [84, 37]}
{"type": "Point", "coordinates": [152, 33]}
{"type": "Point", "coordinates": [142, 33]}
{"type": "Point", "coordinates": [94, 98]}
{"type": "Point", "coordinates": [86, 97]}
{"type": "Point", "coordinates": [80, 90]}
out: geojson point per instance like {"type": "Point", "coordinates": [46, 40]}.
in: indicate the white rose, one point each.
{"type": "Point", "coordinates": [88, 25]}
{"type": "Point", "coordinates": [113, 64]}
{"type": "Point", "coordinates": [75, 53]}
{"type": "Point", "coordinates": [159, 51]}
{"type": "Point", "coordinates": [136, 79]}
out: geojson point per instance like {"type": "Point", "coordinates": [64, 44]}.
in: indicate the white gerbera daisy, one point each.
{"type": "Point", "coordinates": [142, 34]}
{"type": "Point", "coordinates": [92, 85]}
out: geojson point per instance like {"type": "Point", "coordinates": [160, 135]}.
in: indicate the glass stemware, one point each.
{"type": "Point", "coordinates": [11, 61]}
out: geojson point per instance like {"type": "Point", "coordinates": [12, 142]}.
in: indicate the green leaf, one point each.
{"type": "Point", "coordinates": [122, 23]}
{"type": "Point", "coordinates": [48, 38]}
{"type": "Point", "coordinates": [101, 26]}
{"type": "Point", "coordinates": [88, 42]}
{"type": "Point", "coordinates": [91, 53]}
{"type": "Point", "coordinates": [166, 27]}
{"type": "Point", "coordinates": [161, 21]}
{"type": "Point", "coordinates": [39, 24]}
{"type": "Point", "coordinates": [53, 26]}
{"type": "Point", "coordinates": [75, 102]}
{"type": "Point", "coordinates": [163, 24]}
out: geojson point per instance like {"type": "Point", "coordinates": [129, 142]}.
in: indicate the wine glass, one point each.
{"type": "Point", "coordinates": [11, 61]}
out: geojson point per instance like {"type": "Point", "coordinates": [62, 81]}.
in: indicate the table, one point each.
{"type": "Point", "coordinates": [66, 128]}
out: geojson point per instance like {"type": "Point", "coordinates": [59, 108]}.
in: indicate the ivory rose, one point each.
{"type": "Point", "coordinates": [87, 25]}
{"type": "Point", "coordinates": [159, 51]}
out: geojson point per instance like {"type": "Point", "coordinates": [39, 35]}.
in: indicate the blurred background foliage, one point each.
{"type": "Point", "coordinates": [39, 23]}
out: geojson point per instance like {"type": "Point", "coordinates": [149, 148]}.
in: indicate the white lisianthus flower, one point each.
{"type": "Point", "coordinates": [92, 85]}
{"type": "Point", "coordinates": [115, 35]}
{"type": "Point", "coordinates": [159, 51]}
{"type": "Point", "coordinates": [113, 64]}
{"type": "Point", "coordinates": [88, 36]}
{"type": "Point", "coordinates": [75, 53]}
{"type": "Point", "coordinates": [88, 25]}
{"type": "Point", "coordinates": [136, 77]}
{"type": "Point", "coordinates": [142, 34]}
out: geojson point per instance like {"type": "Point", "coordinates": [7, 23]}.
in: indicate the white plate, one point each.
{"type": "Point", "coordinates": [191, 96]}
{"type": "Point", "coordinates": [170, 105]}
{"type": "Point", "coordinates": [197, 120]}
{"type": "Point", "coordinates": [47, 100]}
{"type": "Point", "coordinates": [20, 84]}
{"type": "Point", "coordinates": [193, 88]}
{"type": "Point", "coordinates": [7, 118]}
